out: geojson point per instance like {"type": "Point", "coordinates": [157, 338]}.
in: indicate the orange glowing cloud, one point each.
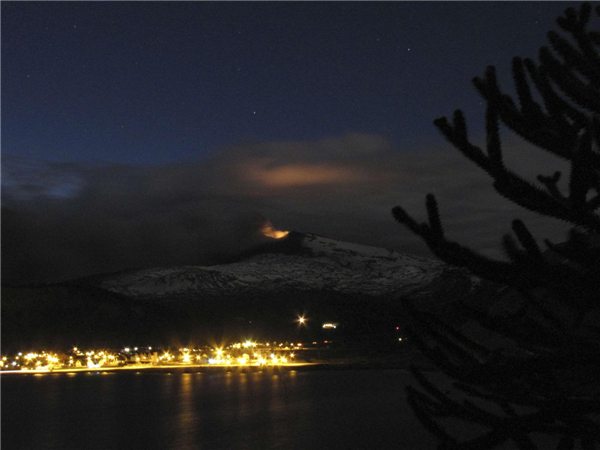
{"type": "Point", "coordinates": [301, 175]}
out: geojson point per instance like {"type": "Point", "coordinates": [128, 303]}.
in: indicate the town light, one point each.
{"type": "Point", "coordinates": [262, 356]}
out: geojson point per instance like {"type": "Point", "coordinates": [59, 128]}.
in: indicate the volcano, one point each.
{"type": "Point", "coordinates": [296, 261]}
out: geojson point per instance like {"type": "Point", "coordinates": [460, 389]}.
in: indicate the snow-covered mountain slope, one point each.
{"type": "Point", "coordinates": [299, 262]}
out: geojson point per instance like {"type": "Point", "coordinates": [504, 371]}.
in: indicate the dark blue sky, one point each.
{"type": "Point", "coordinates": [140, 134]}
{"type": "Point", "coordinates": [155, 82]}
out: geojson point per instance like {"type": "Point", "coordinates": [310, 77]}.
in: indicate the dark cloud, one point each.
{"type": "Point", "coordinates": [62, 221]}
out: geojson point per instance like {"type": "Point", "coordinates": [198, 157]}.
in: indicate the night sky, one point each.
{"type": "Point", "coordinates": [164, 133]}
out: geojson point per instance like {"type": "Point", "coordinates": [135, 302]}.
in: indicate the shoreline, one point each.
{"type": "Point", "coordinates": [212, 368]}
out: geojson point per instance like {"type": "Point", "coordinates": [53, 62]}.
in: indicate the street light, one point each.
{"type": "Point", "coordinates": [301, 320]}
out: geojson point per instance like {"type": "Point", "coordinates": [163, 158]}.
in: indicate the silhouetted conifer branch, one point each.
{"type": "Point", "coordinates": [581, 178]}
{"type": "Point", "coordinates": [529, 107]}
{"type": "Point", "coordinates": [575, 59]}
{"type": "Point", "coordinates": [435, 223]}
{"type": "Point", "coordinates": [581, 93]}
{"type": "Point", "coordinates": [551, 184]}
{"type": "Point", "coordinates": [563, 117]}
{"type": "Point", "coordinates": [555, 349]}
{"type": "Point", "coordinates": [494, 149]}
{"type": "Point", "coordinates": [514, 253]}
{"type": "Point", "coordinates": [457, 135]}
{"type": "Point", "coordinates": [577, 27]}
{"type": "Point", "coordinates": [526, 238]}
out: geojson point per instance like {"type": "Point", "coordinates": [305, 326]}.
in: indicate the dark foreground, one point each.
{"type": "Point", "coordinates": [269, 409]}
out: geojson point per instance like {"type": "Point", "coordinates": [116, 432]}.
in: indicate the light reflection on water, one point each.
{"type": "Point", "coordinates": [194, 411]}
{"type": "Point", "coordinates": [187, 419]}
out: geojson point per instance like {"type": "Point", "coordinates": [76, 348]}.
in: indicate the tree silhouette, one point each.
{"type": "Point", "coordinates": [549, 381]}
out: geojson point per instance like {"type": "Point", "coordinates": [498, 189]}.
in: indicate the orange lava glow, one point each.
{"type": "Point", "coordinates": [270, 231]}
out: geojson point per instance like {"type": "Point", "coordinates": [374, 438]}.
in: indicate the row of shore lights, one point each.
{"type": "Point", "coordinates": [186, 357]}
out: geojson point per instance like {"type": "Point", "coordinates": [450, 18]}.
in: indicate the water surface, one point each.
{"type": "Point", "coordinates": [349, 409]}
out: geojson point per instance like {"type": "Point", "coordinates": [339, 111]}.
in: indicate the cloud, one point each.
{"type": "Point", "coordinates": [24, 179]}
{"type": "Point", "coordinates": [61, 221]}
{"type": "Point", "coordinates": [300, 174]}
